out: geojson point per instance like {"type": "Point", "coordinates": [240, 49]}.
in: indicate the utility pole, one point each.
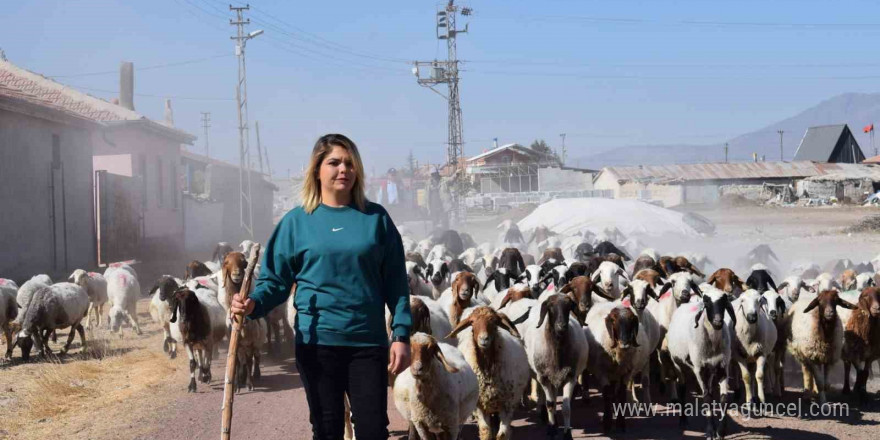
{"type": "Point", "coordinates": [259, 147]}
{"type": "Point", "coordinates": [725, 152]}
{"type": "Point", "coordinates": [562, 135]}
{"type": "Point", "coordinates": [781, 156]}
{"type": "Point", "coordinates": [246, 208]}
{"type": "Point", "coordinates": [206, 124]}
{"type": "Point", "coordinates": [446, 72]}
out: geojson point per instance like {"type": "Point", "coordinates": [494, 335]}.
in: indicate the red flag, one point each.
{"type": "Point", "coordinates": [869, 128]}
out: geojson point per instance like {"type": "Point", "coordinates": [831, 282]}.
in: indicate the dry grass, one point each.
{"type": "Point", "coordinates": [90, 393]}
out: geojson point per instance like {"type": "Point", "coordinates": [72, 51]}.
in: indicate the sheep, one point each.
{"type": "Point", "coordinates": [220, 252]}
{"type": "Point", "coordinates": [409, 245]}
{"type": "Point", "coordinates": [650, 276]}
{"type": "Point", "coordinates": [208, 282]}
{"type": "Point", "coordinates": [438, 392]}
{"type": "Point", "coordinates": [817, 338]}
{"type": "Point", "coordinates": [779, 311]}
{"type": "Point", "coordinates": [250, 342]}
{"type": "Point", "coordinates": [439, 252]}
{"type": "Point", "coordinates": [557, 352]}
{"type": "Point", "coordinates": [791, 288]}
{"type": "Point", "coordinates": [553, 254]}
{"type": "Point", "coordinates": [451, 241]}
{"type": "Point", "coordinates": [644, 262]}
{"type": "Point", "coordinates": [675, 292]}
{"type": "Point", "coordinates": [500, 363]}
{"type": "Point", "coordinates": [461, 295]}
{"type": "Point", "coordinates": [617, 352]}
{"type": "Point", "coordinates": [606, 247]}
{"type": "Point", "coordinates": [196, 268]}
{"type": "Point", "coordinates": [700, 342]}
{"type": "Point", "coordinates": [119, 266]}
{"type": "Point", "coordinates": [438, 274]}
{"type": "Point", "coordinates": [8, 311]}
{"type": "Point", "coordinates": [826, 281]}
{"type": "Point", "coordinates": [418, 283]}
{"type": "Point", "coordinates": [581, 289]}
{"type": "Point", "coordinates": [683, 264]}
{"type": "Point", "coordinates": [424, 247]}
{"type": "Point", "coordinates": [861, 340]}
{"type": "Point", "coordinates": [848, 280]}
{"type": "Point", "coordinates": [608, 276]}
{"type": "Point", "coordinates": [728, 281]}
{"type": "Point", "coordinates": [864, 280]}
{"type": "Point", "coordinates": [760, 279]}
{"type": "Point", "coordinates": [246, 246]}
{"type": "Point", "coordinates": [23, 296]}
{"type": "Point", "coordinates": [123, 291]}
{"type": "Point", "coordinates": [753, 337]}
{"type": "Point", "coordinates": [497, 282]}
{"type": "Point", "coordinates": [160, 310]}
{"type": "Point", "coordinates": [428, 317]}
{"type": "Point", "coordinates": [231, 278]}
{"type": "Point", "coordinates": [198, 322]}
{"type": "Point", "coordinates": [512, 260]}
{"type": "Point", "coordinates": [470, 256]}
{"type": "Point", "coordinates": [96, 287]}
{"type": "Point", "coordinates": [416, 257]}
{"type": "Point", "coordinates": [52, 307]}
{"type": "Point", "coordinates": [637, 295]}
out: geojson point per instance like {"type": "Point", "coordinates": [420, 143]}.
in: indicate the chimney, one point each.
{"type": "Point", "coordinates": [126, 85]}
{"type": "Point", "coordinates": [495, 142]}
{"type": "Point", "coordinates": [169, 114]}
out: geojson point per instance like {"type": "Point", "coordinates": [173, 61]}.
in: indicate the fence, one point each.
{"type": "Point", "coordinates": [493, 202]}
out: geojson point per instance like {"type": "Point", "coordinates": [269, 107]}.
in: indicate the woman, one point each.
{"type": "Point", "coordinates": [346, 258]}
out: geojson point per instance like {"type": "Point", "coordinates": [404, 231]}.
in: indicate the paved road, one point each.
{"type": "Point", "coordinates": [277, 409]}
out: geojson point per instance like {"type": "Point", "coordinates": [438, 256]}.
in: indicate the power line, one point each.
{"type": "Point", "coordinates": [153, 67]}
{"type": "Point", "coordinates": [702, 23]}
{"type": "Point", "coordinates": [147, 95]}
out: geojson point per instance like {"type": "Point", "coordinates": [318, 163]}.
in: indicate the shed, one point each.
{"type": "Point", "coordinates": [829, 143]}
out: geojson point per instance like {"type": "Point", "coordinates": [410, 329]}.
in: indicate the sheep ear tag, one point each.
{"type": "Point", "coordinates": [626, 303]}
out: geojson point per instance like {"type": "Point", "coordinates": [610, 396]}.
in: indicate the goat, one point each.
{"type": "Point", "coordinates": [196, 268]}
{"type": "Point", "coordinates": [160, 310]}
{"type": "Point", "coordinates": [460, 296]}
{"type": "Point", "coordinates": [728, 281]}
{"type": "Point", "coordinates": [198, 323]}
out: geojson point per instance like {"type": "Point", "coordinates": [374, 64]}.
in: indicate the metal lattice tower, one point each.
{"type": "Point", "coordinates": [246, 207]}
{"type": "Point", "coordinates": [446, 72]}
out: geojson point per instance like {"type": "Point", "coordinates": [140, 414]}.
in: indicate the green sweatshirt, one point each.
{"type": "Point", "coordinates": [347, 266]}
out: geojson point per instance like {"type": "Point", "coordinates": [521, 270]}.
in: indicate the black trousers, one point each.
{"type": "Point", "coordinates": [328, 373]}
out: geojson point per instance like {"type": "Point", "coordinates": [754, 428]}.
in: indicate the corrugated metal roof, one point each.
{"type": "Point", "coordinates": [37, 89]}
{"type": "Point", "coordinates": [818, 142]}
{"type": "Point", "coordinates": [848, 171]}
{"type": "Point", "coordinates": [717, 171]}
{"type": "Point", "coordinates": [516, 147]}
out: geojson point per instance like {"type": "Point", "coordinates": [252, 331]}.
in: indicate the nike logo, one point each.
{"type": "Point", "coordinates": [336, 229]}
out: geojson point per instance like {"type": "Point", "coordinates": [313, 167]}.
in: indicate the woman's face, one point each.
{"type": "Point", "coordinates": [337, 171]}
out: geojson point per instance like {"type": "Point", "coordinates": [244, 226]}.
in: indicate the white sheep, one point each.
{"type": "Point", "coordinates": [23, 296]}
{"type": "Point", "coordinates": [438, 252]}
{"type": "Point", "coordinates": [864, 280]}
{"type": "Point", "coordinates": [609, 276]}
{"type": "Point", "coordinates": [491, 346]}
{"type": "Point", "coordinates": [638, 295]}
{"type": "Point", "coordinates": [438, 275]}
{"type": "Point", "coordinates": [439, 390]}
{"type": "Point", "coordinates": [753, 337]}
{"type": "Point", "coordinates": [619, 350]}
{"type": "Point", "coordinates": [780, 312]}
{"type": "Point", "coordinates": [51, 308]}
{"type": "Point", "coordinates": [557, 351]}
{"type": "Point", "coordinates": [792, 286]}
{"type": "Point", "coordinates": [428, 317]}
{"type": "Point", "coordinates": [700, 341]}
{"type": "Point", "coordinates": [123, 291]}
{"type": "Point", "coordinates": [96, 287]}
{"type": "Point", "coordinates": [112, 267]}
{"type": "Point", "coordinates": [817, 337]}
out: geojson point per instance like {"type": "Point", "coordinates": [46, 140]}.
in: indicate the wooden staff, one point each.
{"type": "Point", "coordinates": [231, 355]}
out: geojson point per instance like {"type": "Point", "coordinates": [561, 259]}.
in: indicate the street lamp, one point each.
{"type": "Point", "coordinates": [255, 33]}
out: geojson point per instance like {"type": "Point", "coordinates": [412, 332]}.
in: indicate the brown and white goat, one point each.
{"type": "Point", "coordinates": [861, 340]}
{"type": "Point", "coordinates": [194, 323]}
{"type": "Point", "coordinates": [196, 268]}
{"type": "Point", "coordinates": [728, 281]}
{"type": "Point", "coordinates": [460, 296]}
{"type": "Point", "coordinates": [581, 290]}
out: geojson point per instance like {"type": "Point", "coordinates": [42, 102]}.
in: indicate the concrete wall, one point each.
{"type": "Point", "coordinates": [203, 228]}
{"type": "Point", "coordinates": [120, 164]}
{"type": "Point", "coordinates": [163, 217]}
{"type": "Point", "coordinates": [224, 182]}
{"type": "Point", "coordinates": [25, 166]}
{"type": "Point", "coordinates": [557, 179]}
{"type": "Point", "coordinates": [664, 194]}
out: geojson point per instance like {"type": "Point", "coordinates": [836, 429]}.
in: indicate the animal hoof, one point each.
{"type": "Point", "coordinates": [192, 386]}
{"type": "Point", "coordinates": [172, 354]}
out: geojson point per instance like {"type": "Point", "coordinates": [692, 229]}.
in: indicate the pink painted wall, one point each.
{"type": "Point", "coordinates": [114, 163]}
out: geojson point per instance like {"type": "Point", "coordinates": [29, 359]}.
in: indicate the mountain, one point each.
{"type": "Point", "coordinates": [855, 109]}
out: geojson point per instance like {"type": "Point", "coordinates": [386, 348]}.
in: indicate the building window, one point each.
{"type": "Point", "coordinates": [159, 180]}
{"type": "Point", "coordinates": [142, 171]}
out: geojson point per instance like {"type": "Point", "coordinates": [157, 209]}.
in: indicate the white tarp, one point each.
{"type": "Point", "coordinates": [631, 217]}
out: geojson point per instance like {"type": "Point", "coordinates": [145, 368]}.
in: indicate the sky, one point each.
{"type": "Point", "coordinates": [606, 73]}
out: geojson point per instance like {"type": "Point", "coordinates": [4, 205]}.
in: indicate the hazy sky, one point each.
{"type": "Point", "coordinates": [607, 73]}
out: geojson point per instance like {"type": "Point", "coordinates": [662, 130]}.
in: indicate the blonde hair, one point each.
{"type": "Point", "coordinates": [311, 190]}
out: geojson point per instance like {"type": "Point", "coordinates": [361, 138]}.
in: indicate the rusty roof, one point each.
{"type": "Point", "coordinates": [36, 89]}
{"type": "Point", "coordinates": [717, 171]}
